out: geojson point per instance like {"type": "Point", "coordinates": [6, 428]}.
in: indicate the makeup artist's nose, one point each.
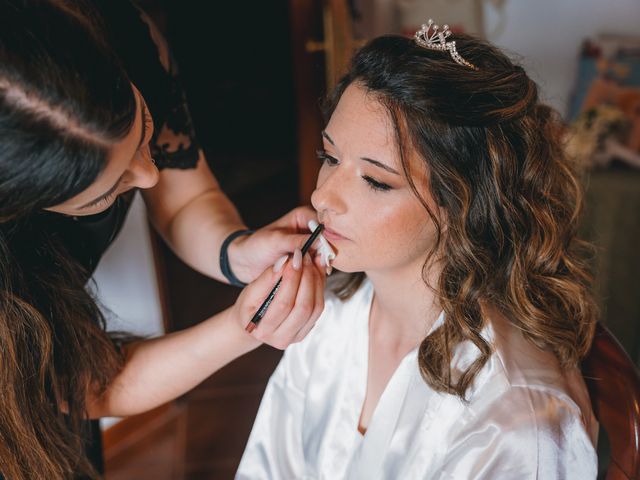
{"type": "Point", "coordinates": [142, 171]}
{"type": "Point", "coordinates": [328, 195]}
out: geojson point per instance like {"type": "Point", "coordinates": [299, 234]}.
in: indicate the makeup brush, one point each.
{"type": "Point", "coordinates": [265, 305]}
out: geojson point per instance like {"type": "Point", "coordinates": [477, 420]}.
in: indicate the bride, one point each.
{"type": "Point", "coordinates": [454, 355]}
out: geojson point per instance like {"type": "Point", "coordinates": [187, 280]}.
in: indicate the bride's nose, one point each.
{"type": "Point", "coordinates": [329, 193]}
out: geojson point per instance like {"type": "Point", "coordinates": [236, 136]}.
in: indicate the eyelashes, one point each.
{"type": "Point", "coordinates": [374, 184]}
{"type": "Point", "coordinates": [107, 199]}
{"type": "Point", "coordinates": [104, 201]}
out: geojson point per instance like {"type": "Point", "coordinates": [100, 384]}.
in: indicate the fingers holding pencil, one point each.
{"type": "Point", "coordinates": [296, 305]}
{"type": "Point", "coordinates": [308, 304]}
{"type": "Point", "coordinates": [296, 263]}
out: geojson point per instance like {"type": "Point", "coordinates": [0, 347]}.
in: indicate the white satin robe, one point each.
{"type": "Point", "coordinates": [525, 419]}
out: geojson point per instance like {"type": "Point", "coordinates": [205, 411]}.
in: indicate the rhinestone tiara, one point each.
{"type": "Point", "coordinates": [432, 37]}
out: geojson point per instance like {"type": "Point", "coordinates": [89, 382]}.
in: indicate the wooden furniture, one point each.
{"type": "Point", "coordinates": [323, 43]}
{"type": "Point", "coordinates": [614, 388]}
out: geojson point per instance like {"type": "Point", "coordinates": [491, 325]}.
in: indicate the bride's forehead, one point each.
{"type": "Point", "coordinates": [356, 99]}
{"type": "Point", "coordinates": [360, 117]}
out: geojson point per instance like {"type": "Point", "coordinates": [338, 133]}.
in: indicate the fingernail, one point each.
{"type": "Point", "coordinates": [297, 259]}
{"type": "Point", "coordinates": [277, 267]}
{"type": "Point", "coordinates": [322, 261]}
{"type": "Point", "coordinates": [312, 224]}
{"type": "Point", "coordinates": [307, 259]}
{"type": "Point", "coordinates": [329, 270]}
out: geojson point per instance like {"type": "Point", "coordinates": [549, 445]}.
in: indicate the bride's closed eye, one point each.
{"type": "Point", "coordinates": [374, 184]}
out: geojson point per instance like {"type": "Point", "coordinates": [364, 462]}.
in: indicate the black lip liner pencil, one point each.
{"type": "Point", "coordinates": [265, 305]}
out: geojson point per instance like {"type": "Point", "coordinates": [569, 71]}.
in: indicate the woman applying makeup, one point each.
{"type": "Point", "coordinates": [88, 100]}
{"type": "Point", "coordinates": [453, 353]}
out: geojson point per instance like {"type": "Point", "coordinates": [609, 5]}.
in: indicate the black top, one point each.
{"type": "Point", "coordinates": [86, 238]}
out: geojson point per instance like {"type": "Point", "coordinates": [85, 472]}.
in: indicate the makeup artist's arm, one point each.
{"type": "Point", "coordinates": [163, 368]}
{"type": "Point", "coordinates": [189, 209]}
{"type": "Point", "coordinates": [194, 216]}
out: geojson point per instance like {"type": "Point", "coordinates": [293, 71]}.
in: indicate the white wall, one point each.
{"type": "Point", "coordinates": [126, 281]}
{"type": "Point", "coordinates": [548, 34]}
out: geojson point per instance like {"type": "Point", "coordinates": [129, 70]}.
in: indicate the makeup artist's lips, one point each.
{"type": "Point", "coordinates": [332, 236]}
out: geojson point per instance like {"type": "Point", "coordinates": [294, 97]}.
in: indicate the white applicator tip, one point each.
{"type": "Point", "coordinates": [326, 252]}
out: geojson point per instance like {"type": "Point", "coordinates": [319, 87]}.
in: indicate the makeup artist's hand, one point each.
{"type": "Point", "coordinates": [295, 307]}
{"type": "Point", "coordinates": [250, 255]}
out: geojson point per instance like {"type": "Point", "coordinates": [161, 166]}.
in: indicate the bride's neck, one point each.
{"type": "Point", "coordinates": [404, 307]}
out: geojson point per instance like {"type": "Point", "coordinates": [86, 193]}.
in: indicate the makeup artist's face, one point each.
{"type": "Point", "coordinates": [372, 218]}
{"type": "Point", "coordinates": [129, 166]}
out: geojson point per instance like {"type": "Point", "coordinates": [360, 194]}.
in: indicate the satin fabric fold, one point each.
{"type": "Point", "coordinates": [525, 417]}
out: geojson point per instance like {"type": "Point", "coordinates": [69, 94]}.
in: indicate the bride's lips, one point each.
{"type": "Point", "coordinates": [332, 235]}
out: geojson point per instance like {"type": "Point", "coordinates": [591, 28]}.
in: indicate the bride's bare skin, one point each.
{"type": "Point", "coordinates": [362, 175]}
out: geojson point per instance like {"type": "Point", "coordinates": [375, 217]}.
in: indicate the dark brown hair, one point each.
{"type": "Point", "coordinates": [64, 101]}
{"type": "Point", "coordinates": [498, 173]}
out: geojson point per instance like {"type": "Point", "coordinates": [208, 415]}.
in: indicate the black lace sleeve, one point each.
{"type": "Point", "coordinates": [148, 61]}
{"type": "Point", "coordinates": [174, 143]}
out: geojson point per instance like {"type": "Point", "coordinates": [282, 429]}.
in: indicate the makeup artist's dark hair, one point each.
{"type": "Point", "coordinates": [498, 173]}
{"type": "Point", "coordinates": [64, 101]}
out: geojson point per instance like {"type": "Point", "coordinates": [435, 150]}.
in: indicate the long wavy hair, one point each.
{"type": "Point", "coordinates": [64, 101]}
{"type": "Point", "coordinates": [508, 192]}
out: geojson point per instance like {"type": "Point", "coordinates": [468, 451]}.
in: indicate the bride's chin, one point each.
{"type": "Point", "coordinates": [344, 266]}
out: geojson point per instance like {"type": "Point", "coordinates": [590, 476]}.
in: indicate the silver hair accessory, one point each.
{"type": "Point", "coordinates": [430, 36]}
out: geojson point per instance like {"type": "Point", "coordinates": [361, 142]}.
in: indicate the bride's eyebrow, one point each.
{"type": "Point", "coordinates": [366, 159]}
{"type": "Point", "coordinates": [326, 135]}
{"type": "Point", "coordinates": [380, 164]}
